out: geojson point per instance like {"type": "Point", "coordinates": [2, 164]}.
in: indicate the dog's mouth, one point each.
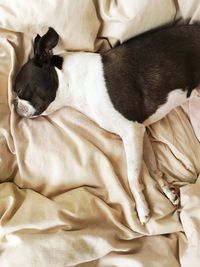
{"type": "Point", "coordinates": [24, 108]}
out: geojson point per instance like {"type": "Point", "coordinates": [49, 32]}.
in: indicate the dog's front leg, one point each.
{"type": "Point", "coordinates": [133, 143]}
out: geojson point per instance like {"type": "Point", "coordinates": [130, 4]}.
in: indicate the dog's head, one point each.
{"type": "Point", "coordinates": [37, 82]}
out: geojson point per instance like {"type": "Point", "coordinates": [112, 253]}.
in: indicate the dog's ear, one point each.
{"type": "Point", "coordinates": [57, 61]}
{"type": "Point", "coordinates": [36, 40]}
{"type": "Point", "coordinates": [43, 46]}
{"type": "Point", "coordinates": [48, 41]}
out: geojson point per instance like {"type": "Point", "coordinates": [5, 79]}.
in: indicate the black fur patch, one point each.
{"type": "Point", "coordinates": [140, 73]}
{"type": "Point", "coordinates": [57, 61]}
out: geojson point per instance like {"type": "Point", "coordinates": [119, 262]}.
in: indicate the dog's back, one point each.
{"type": "Point", "coordinates": [145, 69]}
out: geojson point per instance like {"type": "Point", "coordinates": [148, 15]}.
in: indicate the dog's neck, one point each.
{"type": "Point", "coordinates": [79, 78]}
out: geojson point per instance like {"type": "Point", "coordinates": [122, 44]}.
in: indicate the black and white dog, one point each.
{"type": "Point", "coordinates": [123, 90]}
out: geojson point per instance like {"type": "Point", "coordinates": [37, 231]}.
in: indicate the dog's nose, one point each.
{"type": "Point", "coordinates": [15, 103]}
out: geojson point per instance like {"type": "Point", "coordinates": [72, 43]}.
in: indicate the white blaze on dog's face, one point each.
{"type": "Point", "coordinates": [37, 82]}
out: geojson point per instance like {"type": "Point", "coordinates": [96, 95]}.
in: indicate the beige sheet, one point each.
{"type": "Point", "coordinates": [64, 197]}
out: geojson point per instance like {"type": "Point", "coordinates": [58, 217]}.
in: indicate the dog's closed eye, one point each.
{"type": "Point", "coordinates": [24, 94]}
{"type": "Point", "coordinates": [17, 90]}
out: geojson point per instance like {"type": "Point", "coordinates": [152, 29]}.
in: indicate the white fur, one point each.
{"type": "Point", "coordinates": [82, 86]}
{"type": "Point", "coordinates": [24, 108]}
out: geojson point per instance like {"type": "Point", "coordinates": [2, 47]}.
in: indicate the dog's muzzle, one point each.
{"type": "Point", "coordinates": [24, 108]}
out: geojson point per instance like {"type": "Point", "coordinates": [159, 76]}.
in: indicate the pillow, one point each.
{"type": "Point", "coordinates": [75, 21]}
{"type": "Point", "coordinates": [125, 19]}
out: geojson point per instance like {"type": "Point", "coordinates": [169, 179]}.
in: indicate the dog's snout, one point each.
{"type": "Point", "coordinates": [23, 108]}
{"type": "Point", "coordinates": [15, 103]}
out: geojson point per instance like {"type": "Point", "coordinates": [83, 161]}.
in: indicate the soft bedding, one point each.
{"type": "Point", "coordinates": [64, 195]}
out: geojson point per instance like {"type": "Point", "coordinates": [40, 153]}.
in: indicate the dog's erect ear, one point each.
{"type": "Point", "coordinates": [43, 45]}
{"type": "Point", "coordinates": [37, 38]}
{"type": "Point", "coordinates": [49, 40]}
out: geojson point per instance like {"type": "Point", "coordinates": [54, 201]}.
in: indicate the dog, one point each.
{"type": "Point", "coordinates": [124, 89]}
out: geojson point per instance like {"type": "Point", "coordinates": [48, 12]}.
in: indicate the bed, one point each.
{"type": "Point", "coordinates": [64, 195]}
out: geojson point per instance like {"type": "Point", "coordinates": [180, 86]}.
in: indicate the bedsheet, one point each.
{"type": "Point", "coordinates": [64, 195]}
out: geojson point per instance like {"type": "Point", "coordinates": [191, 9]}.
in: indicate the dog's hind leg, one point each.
{"type": "Point", "coordinates": [150, 160]}
{"type": "Point", "coordinates": [132, 137]}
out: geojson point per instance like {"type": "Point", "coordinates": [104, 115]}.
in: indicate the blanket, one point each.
{"type": "Point", "coordinates": [64, 194]}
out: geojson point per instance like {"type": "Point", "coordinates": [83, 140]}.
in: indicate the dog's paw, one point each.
{"type": "Point", "coordinates": [143, 213]}
{"type": "Point", "coordinates": [172, 194]}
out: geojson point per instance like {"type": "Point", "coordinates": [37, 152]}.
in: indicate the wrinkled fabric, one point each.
{"type": "Point", "coordinates": [64, 194]}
